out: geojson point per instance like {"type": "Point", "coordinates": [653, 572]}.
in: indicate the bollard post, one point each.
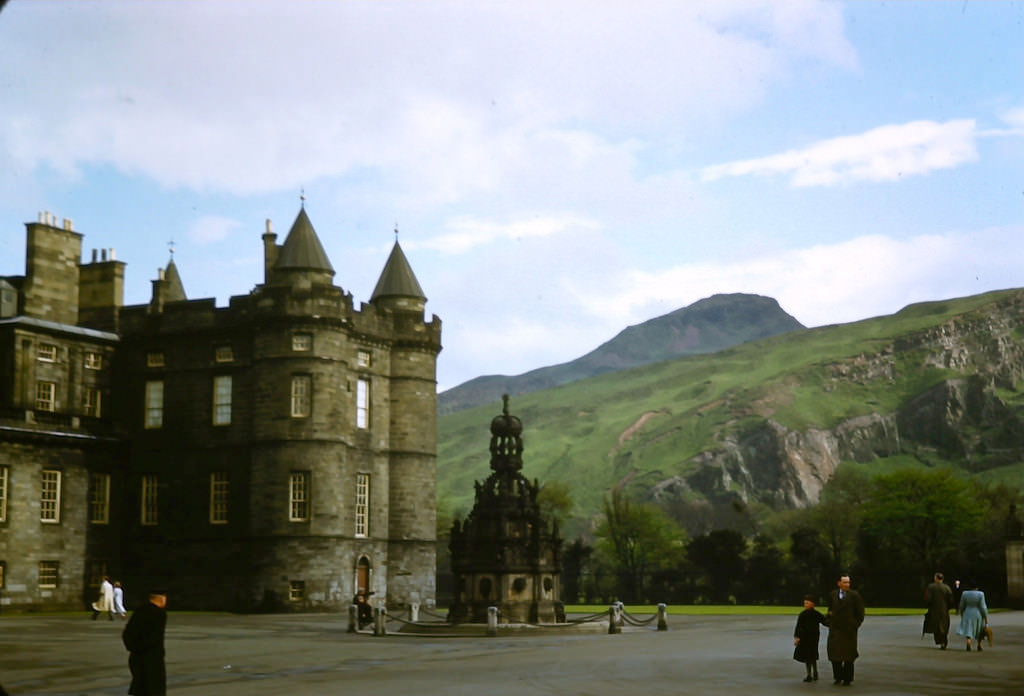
{"type": "Point", "coordinates": [662, 617]}
{"type": "Point", "coordinates": [379, 618]}
{"type": "Point", "coordinates": [620, 614]}
{"type": "Point", "coordinates": [414, 612]}
{"type": "Point", "coordinates": [492, 621]}
{"type": "Point", "coordinates": [613, 625]}
{"type": "Point", "coordinates": [353, 611]}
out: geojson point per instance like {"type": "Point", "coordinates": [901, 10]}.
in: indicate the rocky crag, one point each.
{"type": "Point", "coordinates": [973, 417]}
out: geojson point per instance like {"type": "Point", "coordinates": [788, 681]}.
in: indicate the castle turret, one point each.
{"type": "Point", "coordinates": [397, 288]}
{"type": "Point", "coordinates": [413, 429]}
{"type": "Point", "coordinates": [301, 260]}
{"type": "Point", "coordinates": [167, 287]}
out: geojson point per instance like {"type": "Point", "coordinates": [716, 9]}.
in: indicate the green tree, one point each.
{"type": "Point", "coordinates": [719, 554]}
{"type": "Point", "coordinates": [556, 502]}
{"type": "Point", "coordinates": [914, 522]}
{"type": "Point", "coordinates": [838, 513]}
{"type": "Point", "coordinates": [636, 540]}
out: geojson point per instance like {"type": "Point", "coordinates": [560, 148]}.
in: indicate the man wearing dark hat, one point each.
{"type": "Point", "coordinates": [144, 638]}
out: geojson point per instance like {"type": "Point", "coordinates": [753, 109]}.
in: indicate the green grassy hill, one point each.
{"type": "Point", "coordinates": [684, 421]}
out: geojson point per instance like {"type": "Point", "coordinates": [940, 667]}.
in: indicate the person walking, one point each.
{"type": "Point", "coordinates": [105, 603]}
{"type": "Point", "coordinates": [939, 599]}
{"type": "Point", "coordinates": [143, 636]}
{"type": "Point", "coordinates": [973, 614]}
{"type": "Point", "coordinates": [806, 635]}
{"type": "Point", "coordinates": [845, 615]}
{"type": "Point", "coordinates": [119, 600]}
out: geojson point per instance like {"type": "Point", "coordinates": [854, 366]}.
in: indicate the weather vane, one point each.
{"type": "Point", "coordinates": [302, 197]}
{"type": "Point", "coordinates": [170, 245]}
{"type": "Point", "coordinates": [396, 230]}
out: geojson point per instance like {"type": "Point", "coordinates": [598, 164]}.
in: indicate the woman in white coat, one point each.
{"type": "Point", "coordinates": [106, 601]}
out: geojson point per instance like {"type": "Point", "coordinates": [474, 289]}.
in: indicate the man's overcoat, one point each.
{"type": "Point", "coordinates": [844, 618]}
{"type": "Point", "coordinates": [144, 638]}
{"type": "Point", "coordinates": [939, 599]}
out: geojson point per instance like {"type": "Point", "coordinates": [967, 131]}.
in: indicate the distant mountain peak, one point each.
{"type": "Point", "coordinates": [706, 326]}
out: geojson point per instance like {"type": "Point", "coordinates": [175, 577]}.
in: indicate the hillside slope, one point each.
{"type": "Point", "coordinates": [706, 326]}
{"type": "Point", "coordinates": [766, 423]}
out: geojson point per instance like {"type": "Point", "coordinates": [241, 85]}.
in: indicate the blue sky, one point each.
{"type": "Point", "coordinates": [557, 171]}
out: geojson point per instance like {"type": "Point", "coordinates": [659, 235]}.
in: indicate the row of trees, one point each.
{"type": "Point", "coordinates": [891, 532]}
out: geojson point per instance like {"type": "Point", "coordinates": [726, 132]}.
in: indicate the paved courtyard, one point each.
{"type": "Point", "coordinates": [307, 655]}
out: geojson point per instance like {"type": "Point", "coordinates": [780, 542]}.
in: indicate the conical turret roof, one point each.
{"type": "Point", "coordinates": [174, 291]}
{"type": "Point", "coordinates": [397, 278]}
{"type": "Point", "coordinates": [302, 248]}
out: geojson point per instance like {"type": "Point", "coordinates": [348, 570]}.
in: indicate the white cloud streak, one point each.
{"type": "Point", "coordinates": [886, 153]}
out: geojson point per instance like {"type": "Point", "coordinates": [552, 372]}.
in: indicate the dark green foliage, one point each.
{"type": "Point", "coordinates": [635, 541]}
{"type": "Point", "coordinates": [719, 556]}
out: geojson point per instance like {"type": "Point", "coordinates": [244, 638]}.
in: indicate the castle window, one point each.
{"type": "Point", "coordinates": [296, 590]}
{"type": "Point", "coordinates": [47, 352]}
{"type": "Point", "coordinates": [302, 342]}
{"type": "Point", "coordinates": [99, 498]}
{"type": "Point", "coordinates": [49, 573]}
{"type": "Point", "coordinates": [148, 500]}
{"type": "Point", "coordinates": [155, 404]}
{"type": "Point", "coordinates": [4, 473]}
{"type": "Point", "coordinates": [93, 361]}
{"type": "Point", "coordinates": [302, 388]}
{"type": "Point", "coordinates": [362, 504]}
{"type": "Point", "coordinates": [46, 396]}
{"type": "Point", "coordinates": [155, 359]}
{"type": "Point", "coordinates": [298, 496]}
{"type": "Point", "coordinates": [91, 403]}
{"type": "Point", "coordinates": [363, 358]}
{"type": "Point", "coordinates": [222, 400]}
{"type": "Point", "coordinates": [49, 499]}
{"type": "Point", "coordinates": [219, 497]}
{"type": "Point", "coordinates": [223, 354]}
{"type": "Point", "coordinates": [96, 571]}
{"type": "Point", "coordinates": [363, 403]}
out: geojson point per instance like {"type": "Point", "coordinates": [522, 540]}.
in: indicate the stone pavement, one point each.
{"type": "Point", "coordinates": [307, 655]}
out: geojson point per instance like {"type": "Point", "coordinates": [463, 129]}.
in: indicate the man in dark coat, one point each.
{"type": "Point", "coordinates": [845, 615]}
{"type": "Point", "coordinates": [144, 638]}
{"type": "Point", "coordinates": [939, 598]}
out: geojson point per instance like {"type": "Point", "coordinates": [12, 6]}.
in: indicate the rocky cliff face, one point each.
{"type": "Point", "coordinates": [962, 418]}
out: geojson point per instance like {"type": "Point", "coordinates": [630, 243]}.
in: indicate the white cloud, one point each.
{"type": "Point", "coordinates": [887, 153]}
{"type": "Point", "coordinates": [829, 283]}
{"type": "Point", "coordinates": [279, 94]}
{"type": "Point", "coordinates": [470, 232]}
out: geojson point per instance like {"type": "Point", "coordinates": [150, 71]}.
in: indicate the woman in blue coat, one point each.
{"type": "Point", "coordinates": [973, 615]}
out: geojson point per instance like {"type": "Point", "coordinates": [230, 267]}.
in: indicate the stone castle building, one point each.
{"type": "Point", "coordinates": [275, 454]}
